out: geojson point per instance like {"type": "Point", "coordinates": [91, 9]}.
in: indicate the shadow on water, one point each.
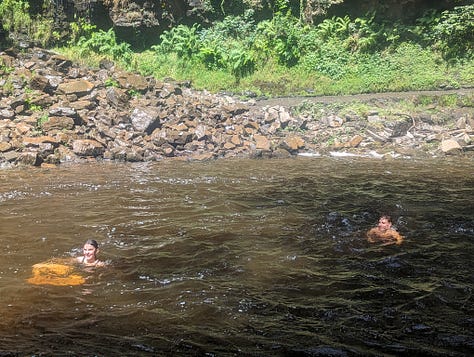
{"type": "Point", "coordinates": [241, 258]}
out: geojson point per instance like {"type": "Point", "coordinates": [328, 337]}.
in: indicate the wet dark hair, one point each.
{"type": "Point", "coordinates": [92, 242]}
{"type": "Point", "coordinates": [387, 217]}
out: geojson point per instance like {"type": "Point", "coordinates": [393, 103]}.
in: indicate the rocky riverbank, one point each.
{"type": "Point", "coordinates": [54, 111]}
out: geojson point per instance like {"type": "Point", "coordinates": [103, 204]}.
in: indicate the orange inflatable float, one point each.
{"type": "Point", "coordinates": [58, 274]}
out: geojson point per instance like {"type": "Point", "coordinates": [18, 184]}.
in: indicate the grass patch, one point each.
{"type": "Point", "coordinates": [72, 53]}
{"type": "Point", "coordinates": [408, 66]}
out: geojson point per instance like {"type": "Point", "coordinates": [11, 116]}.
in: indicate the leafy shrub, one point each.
{"type": "Point", "coordinates": [335, 27]}
{"type": "Point", "coordinates": [212, 55]}
{"type": "Point", "coordinates": [105, 43]}
{"type": "Point", "coordinates": [422, 31]}
{"type": "Point", "coordinates": [241, 28]}
{"type": "Point", "coordinates": [80, 28]}
{"type": "Point", "coordinates": [330, 59]}
{"type": "Point", "coordinates": [241, 63]}
{"type": "Point", "coordinates": [42, 31]}
{"type": "Point", "coordinates": [280, 37]}
{"type": "Point", "coordinates": [454, 34]}
{"type": "Point", "coordinates": [360, 34]}
{"type": "Point", "coordinates": [220, 43]}
{"type": "Point", "coordinates": [182, 39]}
{"type": "Point", "coordinates": [225, 46]}
{"type": "Point", "coordinates": [15, 18]}
{"type": "Point", "coordinates": [14, 15]}
{"type": "Point", "coordinates": [363, 34]}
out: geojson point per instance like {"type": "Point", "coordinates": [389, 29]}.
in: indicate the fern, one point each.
{"type": "Point", "coordinates": [241, 64]}
{"type": "Point", "coordinates": [105, 43]}
{"type": "Point", "coordinates": [182, 39]}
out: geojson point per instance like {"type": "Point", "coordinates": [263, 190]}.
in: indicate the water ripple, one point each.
{"type": "Point", "coordinates": [242, 257]}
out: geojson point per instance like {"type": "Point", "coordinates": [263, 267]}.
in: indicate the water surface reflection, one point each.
{"type": "Point", "coordinates": [241, 257]}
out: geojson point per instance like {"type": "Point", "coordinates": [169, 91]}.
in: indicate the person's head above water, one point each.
{"type": "Point", "coordinates": [384, 232]}
{"type": "Point", "coordinates": [385, 223]}
{"type": "Point", "coordinates": [89, 251]}
{"type": "Point", "coordinates": [92, 242]}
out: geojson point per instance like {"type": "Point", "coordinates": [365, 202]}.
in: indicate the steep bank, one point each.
{"type": "Point", "coordinates": [53, 111]}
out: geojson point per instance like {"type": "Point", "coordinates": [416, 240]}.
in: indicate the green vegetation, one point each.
{"type": "Point", "coordinates": [286, 54]}
{"type": "Point", "coordinates": [110, 82]}
{"type": "Point", "coordinates": [41, 120]}
{"type": "Point", "coordinates": [104, 43]}
{"type": "Point", "coordinates": [16, 19]}
{"type": "Point", "coordinates": [5, 69]}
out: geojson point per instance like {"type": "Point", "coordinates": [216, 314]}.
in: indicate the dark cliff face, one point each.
{"type": "Point", "coordinates": [145, 14]}
{"type": "Point", "coordinates": [140, 22]}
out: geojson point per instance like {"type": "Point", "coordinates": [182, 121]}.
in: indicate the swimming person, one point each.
{"type": "Point", "coordinates": [61, 272]}
{"type": "Point", "coordinates": [89, 257]}
{"type": "Point", "coordinates": [384, 233]}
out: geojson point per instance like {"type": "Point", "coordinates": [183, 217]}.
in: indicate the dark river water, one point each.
{"type": "Point", "coordinates": [241, 258]}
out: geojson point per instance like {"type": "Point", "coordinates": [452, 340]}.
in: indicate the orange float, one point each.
{"type": "Point", "coordinates": [50, 273]}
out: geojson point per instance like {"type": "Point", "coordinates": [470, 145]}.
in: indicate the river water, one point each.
{"type": "Point", "coordinates": [241, 257]}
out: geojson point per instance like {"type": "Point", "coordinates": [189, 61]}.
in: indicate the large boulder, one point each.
{"type": "Point", "coordinates": [88, 147]}
{"type": "Point", "coordinates": [145, 119]}
{"type": "Point", "coordinates": [78, 87]}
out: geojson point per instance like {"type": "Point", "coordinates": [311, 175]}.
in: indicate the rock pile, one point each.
{"type": "Point", "coordinates": [53, 111]}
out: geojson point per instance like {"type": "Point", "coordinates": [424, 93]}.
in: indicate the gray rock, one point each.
{"type": "Point", "coordinates": [145, 119]}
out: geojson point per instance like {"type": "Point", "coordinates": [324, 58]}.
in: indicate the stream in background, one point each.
{"type": "Point", "coordinates": [241, 257]}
